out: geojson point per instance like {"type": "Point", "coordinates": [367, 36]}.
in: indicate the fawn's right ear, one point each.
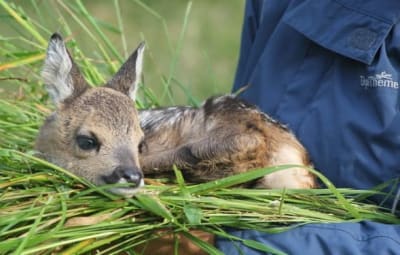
{"type": "Point", "coordinates": [60, 74]}
{"type": "Point", "coordinates": [127, 79]}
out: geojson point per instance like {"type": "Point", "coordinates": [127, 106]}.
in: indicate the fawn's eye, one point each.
{"type": "Point", "coordinates": [87, 143]}
{"type": "Point", "coordinates": [141, 146]}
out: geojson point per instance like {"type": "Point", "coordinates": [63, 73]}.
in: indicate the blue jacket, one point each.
{"type": "Point", "coordinates": [330, 69]}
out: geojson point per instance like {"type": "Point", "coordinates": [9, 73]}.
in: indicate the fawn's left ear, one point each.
{"type": "Point", "coordinates": [127, 79]}
{"type": "Point", "coordinates": [60, 74]}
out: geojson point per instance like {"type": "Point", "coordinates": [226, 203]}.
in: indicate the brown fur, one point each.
{"type": "Point", "coordinates": [116, 125]}
{"type": "Point", "coordinates": [224, 136]}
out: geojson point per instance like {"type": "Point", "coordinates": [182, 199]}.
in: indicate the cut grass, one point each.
{"type": "Point", "coordinates": [44, 209]}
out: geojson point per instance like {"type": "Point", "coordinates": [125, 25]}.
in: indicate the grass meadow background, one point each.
{"type": "Point", "coordinates": [192, 49]}
{"type": "Point", "coordinates": [192, 45]}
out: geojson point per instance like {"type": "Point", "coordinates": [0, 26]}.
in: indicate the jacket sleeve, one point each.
{"type": "Point", "coordinates": [328, 239]}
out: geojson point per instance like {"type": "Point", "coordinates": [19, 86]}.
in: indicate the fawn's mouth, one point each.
{"type": "Point", "coordinates": [128, 191]}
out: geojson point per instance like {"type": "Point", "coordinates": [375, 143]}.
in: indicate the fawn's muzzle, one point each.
{"type": "Point", "coordinates": [123, 174]}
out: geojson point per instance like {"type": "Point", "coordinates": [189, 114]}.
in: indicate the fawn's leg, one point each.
{"type": "Point", "coordinates": [209, 151]}
{"type": "Point", "coordinates": [163, 161]}
{"type": "Point", "coordinates": [222, 146]}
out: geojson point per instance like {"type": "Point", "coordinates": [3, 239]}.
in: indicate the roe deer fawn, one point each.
{"type": "Point", "coordinates": [98, 134]}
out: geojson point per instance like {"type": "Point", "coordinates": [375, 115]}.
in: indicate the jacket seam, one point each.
{"type": "Point", "coordinates": [363, 12]}
{"type": "Point", "coordinates": [354, 237]}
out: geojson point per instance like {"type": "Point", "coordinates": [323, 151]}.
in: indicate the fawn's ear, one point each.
{"type": "Point", "coordinates": [127, 79]}
{"type": "Point", "coordinates": [60, 74]}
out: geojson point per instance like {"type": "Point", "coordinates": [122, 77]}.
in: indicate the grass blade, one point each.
{"type": "Point", "coordinates": [32, 230]}
{"type": "Point", "coordinates": [93, 22]}
{"type": "Point", "coordinates": [24, 23]}
{"type": "Point", "coordinates": [154, 205]}
{"type": "Point", "coordinates": [201, 244]}
{"type": "Point", "coordinates": [22, 61]}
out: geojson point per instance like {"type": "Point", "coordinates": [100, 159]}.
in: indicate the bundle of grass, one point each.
{"type": "Point", "coordinates": [46, 210]}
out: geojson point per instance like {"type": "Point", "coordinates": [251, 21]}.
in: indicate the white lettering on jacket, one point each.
{"type": "Point", "coordinates": [381, 80]}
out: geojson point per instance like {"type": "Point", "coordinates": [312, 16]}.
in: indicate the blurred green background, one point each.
{"type": "Point", "coordinates": [195, 44]}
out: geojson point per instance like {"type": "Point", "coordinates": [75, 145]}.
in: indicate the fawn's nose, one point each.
{"type": "Point", "coordinates": [131, 175]}
{"type": "Point", "coordinates": [124, 174]}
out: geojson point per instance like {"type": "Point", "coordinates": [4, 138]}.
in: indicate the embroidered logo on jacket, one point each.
{"type": "Point", "coordinates": [381, 80]}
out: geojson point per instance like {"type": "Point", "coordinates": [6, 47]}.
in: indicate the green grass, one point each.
{"type": "Point", "coordinates": [45, 210]}
{"type": "Point", "coordinates": [190, 46]}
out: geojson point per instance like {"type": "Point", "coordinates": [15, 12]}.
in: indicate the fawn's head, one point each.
{"type": "Point", "coordinates": [94, 132]}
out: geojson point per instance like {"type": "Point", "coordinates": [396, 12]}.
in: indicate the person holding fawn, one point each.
{"type": "Point", "coordinates": [330, 69]}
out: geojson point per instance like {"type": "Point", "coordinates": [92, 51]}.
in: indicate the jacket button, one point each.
{"type": "Point", "coordinates": [362, 38]}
